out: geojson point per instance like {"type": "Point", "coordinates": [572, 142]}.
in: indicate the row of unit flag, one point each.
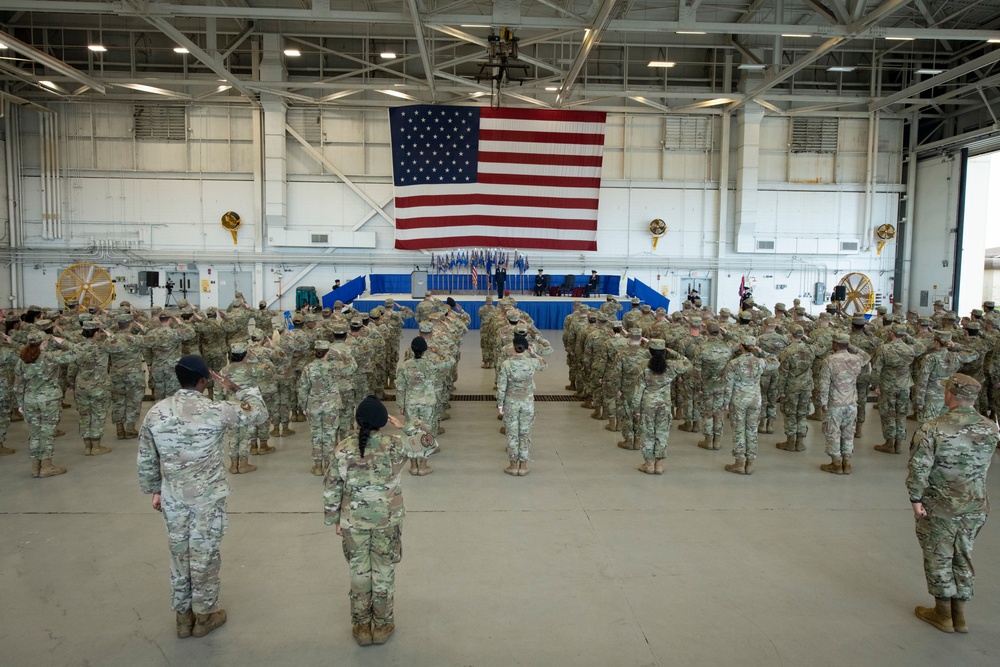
{"type": "Point", "coordinates": [474, 261]}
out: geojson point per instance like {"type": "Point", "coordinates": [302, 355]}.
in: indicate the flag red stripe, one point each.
{"type": "Point", "coordinates": [494, 200]}
{"type": "Point", "coordinates": [541, 181]}
{"type": "Point", "coordinates": [536, 158]}
{"type": "Point", "coordinates": [541, 114]}
{"type": "Point", "coordinates": [442, 222]}
{"type": "Point", "coordinates": [501, 241]}
{"type": "Point", "coordinates": [542, 137]}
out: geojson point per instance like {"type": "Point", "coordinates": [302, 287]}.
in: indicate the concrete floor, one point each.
{"type": "Point", "coordinates": [584, 562]}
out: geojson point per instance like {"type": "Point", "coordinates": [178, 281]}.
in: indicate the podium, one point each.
{"type": "Point", "coordinates": [418, 284]}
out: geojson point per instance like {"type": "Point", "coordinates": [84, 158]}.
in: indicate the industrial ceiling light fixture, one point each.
{"type": "Point", "coordinates": [797, 34]}
{"type": "Point", "coordinates": [752, 66]}
{"type": "Point", "coordinates": [293, 53]}
{"type": "Point", "coordinates": [840, 68]}
{"type": "Point", "coordinates": [180, 49]}
{"type": "Point", "coordinates": [900, 39]}
{"type": "Point", "coordinates": [691, 32]}
{"type": "Point", "coordinates": [387, 55]}
{"type": "Point", "coordinates": [661, 63]}
{"type": "Point", "coordinates": [989, 41]}
{"type": "Point", "coordinates": [97, 48]}
{"type": "Point", "coordinates": [929, 70]}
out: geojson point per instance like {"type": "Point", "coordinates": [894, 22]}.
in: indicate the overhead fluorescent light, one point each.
{"type": "Point", "coordinates": [222, 88]}
{"type": "Point", "coordinates": [662, 63]}
{"type": "Point", "coordinates": [388, 55]}
{"type": "Point", "coordinates": [840, 68]}
{"type": "Point", "coordinates": [928, 70]}
{"type": "Point", "coordinates": [796, 34]}
{"type": "Point", "coordinates": [293, 53]}
{"type": "Point", "coordinates": [49, 84]}
{"type": "Point", "coordinates": [989, 41]}
{"type": "Point", "coordinates": [717, 101]}
{"type": "Point", "coordinates": [97, 48]}
{"type": "Point", "coordinates": [479, 94]}
{"type": "Point", "coordinates": [900, 39]}
{"type": "Point", "coordinates": [180, 49]}
{"type": "Point", "coordinates": [396, 93]}
{"type": "Point", "coordinates": [474, 25]}
{"type": "Point", "coordinates": [754, 66]}
{"type": "Point", "coordinates": [551, 87]}
{"type": "Point", "coordinates": [4, 46]}
{"type": "Point", "coordinates": [691, 32]}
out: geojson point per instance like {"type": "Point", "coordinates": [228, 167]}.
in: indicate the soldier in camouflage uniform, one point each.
{"type": "Point", "coordinates": [164, 346]}
{"type": "Point", "coordinates": [623, 375]}
{"type": "Point", "coordinates": [949, 460]}
{"type": "Point", "coordinates": [630, 319]}
{"type": "Point", "coordinates": [838, 396]}
{"type": "Point", "coordinates": [239, 372]}
{"type": "Point", "coordinates": [975, 342]}
{"type": "Point", "coordinates": [128, 375]}
{"type": "Point", "coordinates": [891, 377]}
{"type": "Point", "coordinates": [264, 318]}
{"type": "Point", "coordinates": [795, 385]}
{"type": "Point", "coordinates": [89, 375]}
{"type": "Point", "coordinates": [236, 322]}
{"type": "Point", "coordinates": [320, 396]}
{"type": "Point", "coordinates": [940, 362]}
{"type": "Point", "coordinates": [610, 307]}
{"type": "Point", "coordinates": [865, 340]}
{"type": "Point", "coordinates": [395, 317]}
{"type": "Point", "coordinates": [212, 340]}
{"type": "Point", "coordinates": [609, 385]}
{"type": "Point", "coordinates": [516, 402]}
{"type": "Point", "coordinates": [364, 500]}
{"type": "Point", "coordinates": [8, 362]}
{"type": "Point", "coordinates": [710, 362]}
{"type": "Point", "coordinates": [689, 386]}
{"type": "Point", "coordinates": [426, 307]}
{"type": "Point", "coordinates": [742, 400]}
{"type": "Point", "coordinates": [180, 464]}
{"type": "Point", "coordinates": [263, 359]}
{"type": "Point", "coordinates": [417, 393]}
{"type": "Point", "coordinates": [655, 412]}
{"type": "Point", "coordinates": [485, 312]}
{"type": "Point", "coordinates": [772, 343]}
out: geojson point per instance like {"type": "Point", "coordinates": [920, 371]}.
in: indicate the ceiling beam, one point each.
{"type": "Point", "coordinates": [425, 58]}
{"type": "Point", "coordinates": [590, 39]}
{"type": "Point", "coordinates": [53, 64]}
{"type": "Point", "coordinates": [944, 77]}
{"type": "Point", "coordinates": [827, 14]}
{"type": "Point", "coordinates": [840, 10]}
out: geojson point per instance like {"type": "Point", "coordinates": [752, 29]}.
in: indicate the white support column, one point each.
{"type": "Point", "coordinates": [747, 167]}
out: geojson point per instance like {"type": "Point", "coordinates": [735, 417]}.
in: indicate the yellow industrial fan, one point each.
{"type": "Point", "coordinates": [860, 296]}
{"type": "Point", "coordinates": [87, 284]}
{"type": "Point", "coordinates": [884, 234]}
{"type": "Point", "coordinates": [231, 221]}
{"type": "Point", "coordinates": [657, 228]}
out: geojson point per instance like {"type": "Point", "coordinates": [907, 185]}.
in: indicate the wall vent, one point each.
{"type": "Point", "coordinates": [848, 246]}
{"type": "Point", "coordinates": [682, 133]}
{"type": "Point", "coordinates": [159, 122]}
{"type": "Point", "coordinates": [320, 238]}
{"type": "Point", "coordinates": [765, 245]}
{"type": "Point", "coordinates": [814, 135]}
{"type": "Point", "coordinates": [307, 121]}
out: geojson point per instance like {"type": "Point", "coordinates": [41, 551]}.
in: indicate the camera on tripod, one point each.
{"type": "Point", "coordinates": [170, 286]}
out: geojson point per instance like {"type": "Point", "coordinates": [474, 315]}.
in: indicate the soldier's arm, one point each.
{"type": "Point", "coordinates": [148, 462]}
{"type": "Point", "coordinates": [921, 463]}
{"type": "Point", "coordinates": [501, 386]}
{"type": "Point", "coordinates": [825, 379]}
{"type": "Point", "coordinates": [333, 493]}
{"type": "Point", "coordinates": [303, 388]}
{"type": "Point", "coordinates": [679, 362]}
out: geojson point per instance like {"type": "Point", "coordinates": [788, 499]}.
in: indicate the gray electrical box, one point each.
{"type": "Point", "coordinates": [418, 284]}
{"type": "Point", "coordinates": [819, 294]}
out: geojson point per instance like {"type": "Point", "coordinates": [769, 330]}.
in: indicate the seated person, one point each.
{"type": "Point", "coordinates": [539, 283]}
{"type": "Point", "coordinates": [593, 285]}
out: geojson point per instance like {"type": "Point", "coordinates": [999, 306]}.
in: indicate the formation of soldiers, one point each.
{"type": "Point", "coordinates": [748, 365]}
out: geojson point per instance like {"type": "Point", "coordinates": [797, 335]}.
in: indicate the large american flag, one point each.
{"type": "Point", "coordinates": [479, 176]}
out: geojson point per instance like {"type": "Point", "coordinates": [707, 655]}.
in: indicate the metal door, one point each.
{"type": "Point", "coordinates": [703, 285]}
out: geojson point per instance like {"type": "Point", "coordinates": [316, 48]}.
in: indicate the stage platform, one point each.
{"type": "Point", "coordinates": [547, 312]}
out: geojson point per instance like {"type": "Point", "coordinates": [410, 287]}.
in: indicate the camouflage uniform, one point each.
{"type": "Point", "coordinates": [364, 497]}
{"type": "Point", "coordinates": [516, 397]}
{"type": "Point", "coordinates": [655, 406]}
{"type": "Point", "coordinates": [838, 395]}
{"type": "Point", "coordinates": [949, 459]}
{"type": "Point", "coordinates": [180, 457]}
{"type": "Point", "coordinates": [891, 375]}
{"type": "Point", "coordinates": [128, 379]}
{"type": "Point", "coordinates": [243, 433]}
{"type": "Point", "coordinates": [322, 402]}
{"type": "Point", "coordinates": [417, 390]}
{"type": "Point", "coordinates": [772, 343]}
{"type": "Point", "coordinates": [164, 346]}
{"type": "Point", "coordinates": [937, 365]}
{"type": "Point", "coordinates": [212, 342]}
{"type": "Point", "coordinates": [869, 342]}
{"type": "Point", "coordinates": [263, 360]}
{"type": "Point", "coordinates": [710, 362]}
{"type": "Point", "coordinates": [742, 396]}
{"type": "Point", "coordinates": [624, 375]}
{"type": "Point", "coordinates": [92, 387]}
{"type": "Point", "coordinates": [36, 388]}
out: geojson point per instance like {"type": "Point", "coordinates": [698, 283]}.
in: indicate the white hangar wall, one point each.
{"type": "Point", "coordinates": [131, 203]}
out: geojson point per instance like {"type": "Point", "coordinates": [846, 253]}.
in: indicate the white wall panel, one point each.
{"type": "Point", "coordinates": [934, 220]}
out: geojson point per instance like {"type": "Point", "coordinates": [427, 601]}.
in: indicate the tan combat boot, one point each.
{"type": "Point", "coordinates": [120, 431]}
{"type": "Point", "coordinates": [380, 633]}
{"type": "Point", "coordinates": [245, 466]}
{"type": "Point", "coordinates": [695, 426]}
{"type": "Point", "coordinates": [857, 429]}
{"type": "Point", "coordinates": [234, 465]}
{"type": "Point", "coordinates": [625, 444]}
{"type": "Point", "coordinates": [275, 431]}
{"type": "Point", "coordinates": [60, 433]}
{"type": "Point", "coordinates": [511, 468]}
{"type": "Point", "coordinates": [87, 447]}
{"type": "Point", "coordinates": [130, 433]}
{"type": "Point", "coordinates": [658, 467]}
{"type": "Point", "coordinates": [423, 468]}
{"type": "Point", "coordinates": [6, 451]}
{"type": "Point", "coordinates": [887, 447]}
{"type": "Point", "coordinates": [612, 425]}
{"type": "Point", "coordinates": [836, 466]}
{"type": "Point", "coordinates": [788, 445]}
{"type": "Point", "coordinates": [739, 466]}
{"type": "Point", "coordinates": [253, 447]}
{"type": "Point", "coordinates": [96, 449]}
{"type": "Point", "coordinates": [847, 465]}
{"type": "Point", "coordinates": [569, 387]}
{"type": "Point", "coordinates": [716, 442]}
{"type": "Point", "coordinates": [185, 622]}
{"type": "Point", "coordinates": [648, 467]}
{"type": "Point", "coordinates": [317, 468]}
{"type": "Point", "coordinates": [748, 467]}
{"type": "Point", "coordinates": [205, 623]}
{"type": "Point", "coordinates": [958, 615]}
{"type": "Point", "coordinates": [413, 467]}
{"type": "Point", "coordinates": [49, 470]}
{"type": "Point", "coordinates": [898, 446]}
{"type": "Point", "coordinates": [762, 426]}
{"type": "Point", "coordinates": [286, 431]}
{"type": "Point", "coordinates": [800, 443]}
{"type": "Point", "coordinates": [769, 426]}
{"type": "Point", "coordinates": [362, 633]}
{"type": "Point", "coordinates": [36, 466]}
{"type": "Point", "coordinates": [706, 442]}
{"type": "Point", "coordinates": [683, 426]}
{"type": "Point", "coordinates": [596, 414]}
{"type": "Point", "coordinates": [939, 616]}
{"type": "Point", "coordinates": [264, 448]}
{"type": "Point", "coordinates": [522, 468]}
{"type": "Point", "coordinates": [586, 404]}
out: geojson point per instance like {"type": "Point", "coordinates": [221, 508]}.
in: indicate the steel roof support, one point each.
{"type": "Point", "coordinates": [53, 64]}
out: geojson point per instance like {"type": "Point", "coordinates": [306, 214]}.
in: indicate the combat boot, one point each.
{"type": "Point", "coordinates": [96, 449]}
{"type": "Point", "coordinates": [49, 470]}
{"type": "Point", "coordinates": [898, 447]}
{"type": "Point", "coordinates": [234, 465]}
{"type": "Point", "coordinates": [522, 468]}
{"type": "Point", "coordinates": [441, 430]}
{"type": "Point", "coordinates": [648, 467]}
{"type": "Point", "coordinates": [445, 416]}
{"type": "Point", "coordinates": [658, 467]}
{"type": "Point", "coordinates": [695, 426]}
{"type": "Point", "coordinates": [683, 426]}
{"type": "Point", "coordinates": [762, 426]}
{"type": "Point", "coordinates": [275, 431]}
{"type": "Point", "coordinates": [939, 616]}
{"type": "Point", "coordinates": [769, 426]}
{"type": "Point", "coordinates": [380, 633]}
{"type": "Point", "coordinates": [317, 468]}
{"type": "Point", "coordinates": [245, 466]}
{"type": "Point", "coordinates": [739, 466]}
{"type": "Point", "coordinates": [586, 404]}
{"type": "Point", "coordinates": [6, 451]}
{"type": "Point", "coordinates": [253, 447]}
{"type": "Point", "coordinates": [847, 465]}
{"type": "Point", "coordinates": [185, 622]}
{"type": "Point", "coordinates": [716, 442]}
{"type": "Point", "coordinates": [836, 466]}
{"type": "Point", "coordinates": [788, 445]}
{"type": "Point", "coordinates": [362, 633]}
{"type": "Point", "coordinates": [36, 467]}
{"type": "Point", "coordinates": [423, 468]}
{"type": "Point", "coordinates": [503, 430]}
{"type": "Point", "coordinates": [60, 433]}
{"type": "Point", "coordinates": [596, 414]}
{"type": "Point", "coordinates": [612, 425]}
{"type": "Point", "coordinates": [16, 416]}
{"type": "Point", "coordinates": [511, 468]}
{"type": "Point", "coordinates": [748, 468]}
{"type": "Point", "coordinates": [706, 442]}
{"type": "Point", "coordinates": [888, 447]}
{"type": "Point", "coordinates": [286, 431]}
{"type": "Point", "coordinates": [958, 615]}
{"type": "Point", "coordinates": [264, 448]}
{"type": "Point", "coordinates": [87, 447]}
{"type": "Point", "coordinates": [205, 623]}
{"type": "Point", "coordinates": [800, 443]}
{"type": "Point", "coordinates": [857, 429]}
{"type": "Point", "coordinates": [625, 444]}
{"type": "Point", "coordinates": [130, 433]}
{"type": "Point", "coordinates": [120, 431]}
{"type": "Point", "coordinates": [636, 445]}
{"type": "Point", "coordinates": [413, 467]}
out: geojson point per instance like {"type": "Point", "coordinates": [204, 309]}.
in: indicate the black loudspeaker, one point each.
{"type": "Point", "coordinates": [152, 278]}
{"type": "Point", "coordinates": [840, 293]}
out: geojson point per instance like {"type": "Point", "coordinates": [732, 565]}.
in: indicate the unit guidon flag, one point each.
{"type": "Point", "coordinates": [486, 177]}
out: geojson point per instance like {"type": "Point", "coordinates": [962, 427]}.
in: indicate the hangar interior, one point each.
{"type": "Point", "coordinates": [786, 143]}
